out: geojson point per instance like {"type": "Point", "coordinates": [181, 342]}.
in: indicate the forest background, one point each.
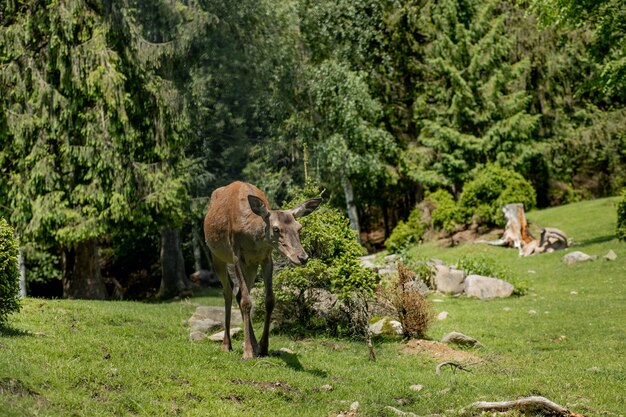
{"type": "Point", "coordinates": [118, 118]}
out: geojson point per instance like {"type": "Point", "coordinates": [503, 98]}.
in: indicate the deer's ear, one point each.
{"type": "Point", "coordinates": [258, 206]}
{"type": "Point", "coordinates": [306, 208]}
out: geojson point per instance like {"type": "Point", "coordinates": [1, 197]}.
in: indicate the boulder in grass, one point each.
{"type": "Point", "coordinates": [577, 256]}
{"type": "Point", "coordinates": [460, 339]}
{"type": "Point", "coordinates": [486, 288]}
{"type": "Point", "coordinates": [218, 337]}
{"type": "Point", "coordinates": [449, 279]}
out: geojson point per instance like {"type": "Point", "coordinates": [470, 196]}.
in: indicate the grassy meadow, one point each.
{"type": "Point", "coordinates": [565, 340]}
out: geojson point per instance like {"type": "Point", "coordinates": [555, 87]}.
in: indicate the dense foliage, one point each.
{"type": "Point", "coordinates": [9, 275]}
{"type": "Point", "coordinates": [491, 189]}
{"type": "Point", "coordinates": [333, 273]}
{"type": "Point", "coordinates": [117, 121]}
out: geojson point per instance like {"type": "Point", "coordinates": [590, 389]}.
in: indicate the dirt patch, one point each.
{"type": "Point", "coordinates": [272, 386]}
{"type": "Point", "coordinates": [438, 351]}
{"type": "Point", "coordinates": [12, 386]}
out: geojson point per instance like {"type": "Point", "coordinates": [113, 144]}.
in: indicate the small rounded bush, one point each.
{"type": "Point", "coordinates": [9, 275]}
{"type": "Point", "coordinates": [406, 233]}
{"type": "Point", "coordinates": [492, 188]}
{"type": "Point", "coordinates": [446, 214]}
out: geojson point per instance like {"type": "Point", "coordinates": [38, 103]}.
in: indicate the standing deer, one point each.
{"type": "Point", "coordinates": [240, 229]}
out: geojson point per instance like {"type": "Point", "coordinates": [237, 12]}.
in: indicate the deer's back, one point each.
{"type": "Point", "coordinates": [229, 215]}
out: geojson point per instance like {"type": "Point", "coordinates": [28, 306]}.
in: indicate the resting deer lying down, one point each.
{"type": "Point", "coordinates": [241, 229]}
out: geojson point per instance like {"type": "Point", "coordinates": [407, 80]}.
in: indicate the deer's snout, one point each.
{"type": "Point", "coordinates": [303, 259]}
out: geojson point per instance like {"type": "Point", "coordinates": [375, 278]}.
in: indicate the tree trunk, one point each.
{"type": "Point", "coordinates": [173, 278]}
{"type": "Point", "coordinates": [352, 212]}
{"type": "Point", "coordinates": [81, 272]}
{"type": "Point", "coordinates": [22, 268]}
{"type": "Point", "coordinates": [197, 254]}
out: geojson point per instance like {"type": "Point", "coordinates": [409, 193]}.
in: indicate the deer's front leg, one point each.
{"type": "Point", "coordinates": [250, 348]}
{"type": "Point", "coordinates": [268, 268]}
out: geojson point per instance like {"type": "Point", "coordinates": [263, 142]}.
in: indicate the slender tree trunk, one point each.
{"type": "Point", "coordinates": [22, 268]}
{"type": "Point", "coordinates": [197, 254]}
{"type": "Point", "coordinates": [352, 212]}
{"type": "Point", "coordinates": [81, 272]}
{"type": "Point", "coordinates": [173, 278]}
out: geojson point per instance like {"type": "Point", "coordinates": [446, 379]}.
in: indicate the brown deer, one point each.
{"type": "Point", "coordinates": [241, 230]}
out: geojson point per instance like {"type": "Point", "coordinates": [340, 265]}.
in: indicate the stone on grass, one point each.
{"type": "Point", "coordinates": [219, 336]}
{"type": "Point", "coordinates": [460, 339]}
{"type": "Point", "coordinates": [326, 387]}
{"type": "Point", "coordinates": [196, 336]}
{"type": "Point", "coordinates": [486, 288]}
{"type": "Point", "coordinates": [448, 279]}
{"type": "Point", "coordinates": [416, 387]}
{"type": "Point", "coordinates": [386, 326]}
{"type": "Point", "coordinates": [577, 256]}
{"type": "Point", "coordinates": [442, 316]}
{"type": "Point", "coordinates": [611, 256]}
{"type": "Point", "coordinates": [204, 325]}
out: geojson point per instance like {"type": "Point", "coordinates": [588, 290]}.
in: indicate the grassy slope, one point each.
{"type": "Point", "coordinates": [128, 358]}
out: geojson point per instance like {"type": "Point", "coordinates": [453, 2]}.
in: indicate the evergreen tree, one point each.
{"type": "Point", "coordinates": [93, 136]}
{"type": "Point", "coordinates": [474, 107]}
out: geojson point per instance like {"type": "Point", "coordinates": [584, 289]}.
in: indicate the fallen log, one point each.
{"type": "Point", "coordinates": [526, 405]}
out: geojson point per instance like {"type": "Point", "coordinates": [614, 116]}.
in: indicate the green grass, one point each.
{"type": "Point", "coordinates": [89, 358]}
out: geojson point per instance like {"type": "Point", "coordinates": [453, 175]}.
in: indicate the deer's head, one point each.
{"type": "Point", "coordinates": [282, 228]}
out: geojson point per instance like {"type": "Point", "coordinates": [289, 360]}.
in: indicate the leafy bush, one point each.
{"type": "Point", "coordinates": [9, 275]}
{"type": "Point", "coordinates": [333, 276]}
{"type": "Point", "coordinates": [480, 265]}
{"type": "Point", "coordinates": [446, 214]}
{"type": "Point", "coordinates": [407, 232]}
{"type": "Point", "coordinates": [491, 189]}
{"type": "Point", "coordinates": [621, 217]}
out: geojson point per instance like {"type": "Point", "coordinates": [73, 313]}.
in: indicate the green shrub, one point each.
{"type": "Point", "coordinates": [621, 217]}
{"type": "Point", "coordinates": [446, 215]}
{"type": "Point", "coordinates": [491, 189]}
{"type": "Point", "coordinates": [480, 265]}
{"type": "Point", "coordinates": [406, 233]}
{"type": "Point", "coordinates": [333, 272]}
{"type": "Point", "coordinates": [9, 275]}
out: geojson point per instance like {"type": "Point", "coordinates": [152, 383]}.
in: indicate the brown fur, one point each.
{"type": "Point", "coordinates": [241, 229]}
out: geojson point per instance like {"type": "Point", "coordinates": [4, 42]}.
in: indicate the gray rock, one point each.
{"type": "Point", "coordinates": [368, 262]}
{"type": "Point", "coordinates": [417, 286]}
{"type": "Point", "coordinates": [218, 337]}
{"type": "Point", "coordinates": [449, 279]}
{"type": "Point", "coordinates": [460, 339]}
{"type": "Point", "coordinates": [197, 336]}
{"type": "Point", "coordinates": [215, 313]}
{"type": "Point", "coordinates": [204, 325]}
{"type": "Point", "coordinates": [486, 288]}
{"type": "Point", "coordinates": [386, 326]}
{"type": "Point", "coordinates": [388, 270]}
{"type": "Point", "coordinates": [577, 256]}
{"type": "Point", "coordinates": [442, 316]}
{"type": "Point", "coordinates": [392, 258]}
{"type": "Point", "coordinates": [611, 256]}
{"type": "Point", "coordinates": [416, 387]}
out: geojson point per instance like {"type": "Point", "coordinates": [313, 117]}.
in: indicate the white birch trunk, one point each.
{"type": "Point", "coordinates": [22, 269]}
{"type": "Point", "coordinates": [351, 207]}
